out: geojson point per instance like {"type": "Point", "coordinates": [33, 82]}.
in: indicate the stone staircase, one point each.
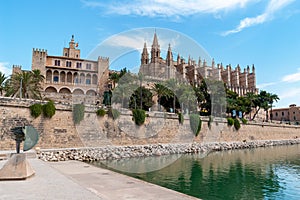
{"type": "Point", "coordinates": [90, 131]}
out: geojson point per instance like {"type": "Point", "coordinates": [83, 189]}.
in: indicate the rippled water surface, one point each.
{"type": "Point", "coordinates": [263, 173]}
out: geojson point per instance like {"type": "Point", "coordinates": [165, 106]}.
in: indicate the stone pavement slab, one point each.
{"type": "Point", "coordinates": [77, 180]}
{"type": "Point", "coordinates": [47, 183]}
{"type": "Point", "coordinates": [111, 185]}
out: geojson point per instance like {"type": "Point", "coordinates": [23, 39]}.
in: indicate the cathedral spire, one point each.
{"type": "Point", "coordinates": [169, 56]}
{"type": "Point", "coordinates": [145, 55]}
{"type": "Point", "coordinates": [155, 51]}
{"type": "Point", "coordinates": [155, 41]}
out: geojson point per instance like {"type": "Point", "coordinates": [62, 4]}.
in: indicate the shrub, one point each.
{"type": "Point", "coordinates": [230, 121]}
{"type": "Point", "coordinates": [36, 110]}
{"type": "Point", "coordinates": [49, 109]}
{"type": "Point", "coordinates": [195, 123]}
{"type": "Point", "coordinates": [113, 113]}
{"type": "Point", "coordinates": [244, 121]}
{"type": "Point", "coordinates": [237, 124]}
{"type": "Point", "coordinates": [139, 116]}
{"type": "Point", "coordinates": [78, 113]}
{"type": "Point", "coordinates": [210, 121]}
{"type": "Point", "coordinates": [101, 112]}
{"type": "Point", "coordinates": [180, 118]}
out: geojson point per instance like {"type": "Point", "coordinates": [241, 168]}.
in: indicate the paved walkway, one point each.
{"type": "Point", "coordinates": [78, 180]}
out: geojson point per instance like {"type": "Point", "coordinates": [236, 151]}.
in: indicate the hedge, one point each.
{"type": "Point", "coordinates": [195, 123]}
{"type": "Point", "coordinates": [237, 124]}
{"type": "Point", "coordinates": [139, 116]}
{"type": "Point", "coordinates": [244, 121]}
{"type": "Point", "coordinates": [113, 113]}
{"type": "Point", "coordinates": [101, 112]}
{"type": "Point", "coordinates": [230, 121]}
{"type": "Point", "coordinates": [36, 110]}
{"type": "Point", "coordinates": [78, 113]}
{"type": "Point", "coordinates": [180, 118]}
{"type": "Point", "coordinates": [49, 109]}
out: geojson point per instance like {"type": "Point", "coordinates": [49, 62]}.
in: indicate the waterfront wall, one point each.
{"type": "Point", "coordinates": [61, 132]}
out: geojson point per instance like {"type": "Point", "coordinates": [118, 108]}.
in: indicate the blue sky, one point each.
{"type": "Point", "coordinates": [260, 32]}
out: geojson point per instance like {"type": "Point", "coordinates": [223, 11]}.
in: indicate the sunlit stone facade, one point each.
{"type": "Point", "coordinates": [69, 74]}
{"type": "Point", "coordinates": [237, 80]}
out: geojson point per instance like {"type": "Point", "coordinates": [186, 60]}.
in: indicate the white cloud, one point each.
{"type": "Point", "coordinates": [290, 93]}
{"type": "Point", "coordinates": [168, 8]}
{"type": "Point", "coordinates": [5, 69]}
{"type": "Point", "coordinates": [292, 77]}
{"type": "Point", "coordinates": [272, 7]}
{"type": "Point", "coordinates": [264, 85]}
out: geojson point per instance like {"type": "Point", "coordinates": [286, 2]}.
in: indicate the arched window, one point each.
{"type": "Point", "coordinates": [55, 76]}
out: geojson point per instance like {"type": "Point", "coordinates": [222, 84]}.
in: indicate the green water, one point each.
{"type": "Point", "coordinates": [263, 173]}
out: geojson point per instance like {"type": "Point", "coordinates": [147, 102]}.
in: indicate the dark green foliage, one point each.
{"type": "Point", "coordinates": [28, 81]}
{"type": "Point", "coordinates": [78, 113]}
{"type": "Point", "coordinates": [113, 113]}
{"type": "Point", "coordinates": [244, 121]}
{"type": "Point", "coordinates": [180, 118]}
{"type": "Point", "coordinates": [237, 124]}
{"type": "Point", "coordinates": [210, 121]}
{"type": "Point", "coordinates": [139, 116]}
{"type": "Point", "coordinates": [230, 121]}
{"type": "Point", "coordinates": [195, 123]}
{"type": "Point", "coordinates": [135, 99]}
{"type": "Point", "coordinates": [49, 109]}
{"type": "Point", "coordinates": [36, 110]}
{"type": "Point", "coordinates": [168, 103]}
{"type": "Point", "coordinates": [101, 112]}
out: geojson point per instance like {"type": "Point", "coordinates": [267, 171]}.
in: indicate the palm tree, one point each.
{"type": "Point", "coordinates": [24, 84]}
{"type": "Point", "coordinates": [2, 82]}
{"type": "Point", "coordinates": [187, 95]}
{"type": "Point", "coordinates": [38, 78]}
{"type": "Point", "coordinates": [114, 77]}
{"type": "Point", "coordinates": [173, 86]}
{"type": "Point", "coordinates": [272, 98]}
{"type": "Point", "coordinates": [160, 90]}
{"type": "Point", "coordinates": [252, 98]}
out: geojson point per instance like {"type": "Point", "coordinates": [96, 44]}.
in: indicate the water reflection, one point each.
{"type": "Point", "coordinates": [264, 173]}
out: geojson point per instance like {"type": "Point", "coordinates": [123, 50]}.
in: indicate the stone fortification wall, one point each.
{"type": "Point", "coordinates": [61, 132]}
{"type": "Point", "coordinates": [57, 132]}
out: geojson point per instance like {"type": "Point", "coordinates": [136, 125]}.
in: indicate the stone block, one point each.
{"type": "Point", "coordinates": [16, 168]}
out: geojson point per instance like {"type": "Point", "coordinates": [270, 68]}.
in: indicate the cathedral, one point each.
{"type": "Point", "coordinates": [237, 80]}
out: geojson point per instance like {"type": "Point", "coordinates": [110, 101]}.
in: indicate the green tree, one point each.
{"type": "Point", "coordinates": [203, 98]}
{"type": "Point", "coordinates": [172, 84]}
{"type": "Point", "coordinates": [37, 77]}
{"type": "Point", "coordinates": [272, 98]}
{"type": "Point", "coordinates": [161, 90]}
{"type": "Point", "coordinates": [187, 97]}
{"type": "Point", "coordinates": [25, 81]}
{"type": "Point", "coordinates": [252, 98]}
{"type": "Point", "coordinates": [2, 83]}
{"type": "Point", "coordinates": [114, 77]}
{"type": "Point", "coordinates": [146, 98]}
{"type": "Point", "coordinates": [265, 101]}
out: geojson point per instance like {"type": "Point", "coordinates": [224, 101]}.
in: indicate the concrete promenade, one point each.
{"type": "Point", "coordinates": [78, 180]}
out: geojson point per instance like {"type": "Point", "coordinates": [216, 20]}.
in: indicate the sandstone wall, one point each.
{"type": "Point", "coordinates": [94, 131]}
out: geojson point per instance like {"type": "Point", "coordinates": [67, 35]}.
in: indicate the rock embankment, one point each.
{"type": "Point", "coordinates": [119, 152]}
